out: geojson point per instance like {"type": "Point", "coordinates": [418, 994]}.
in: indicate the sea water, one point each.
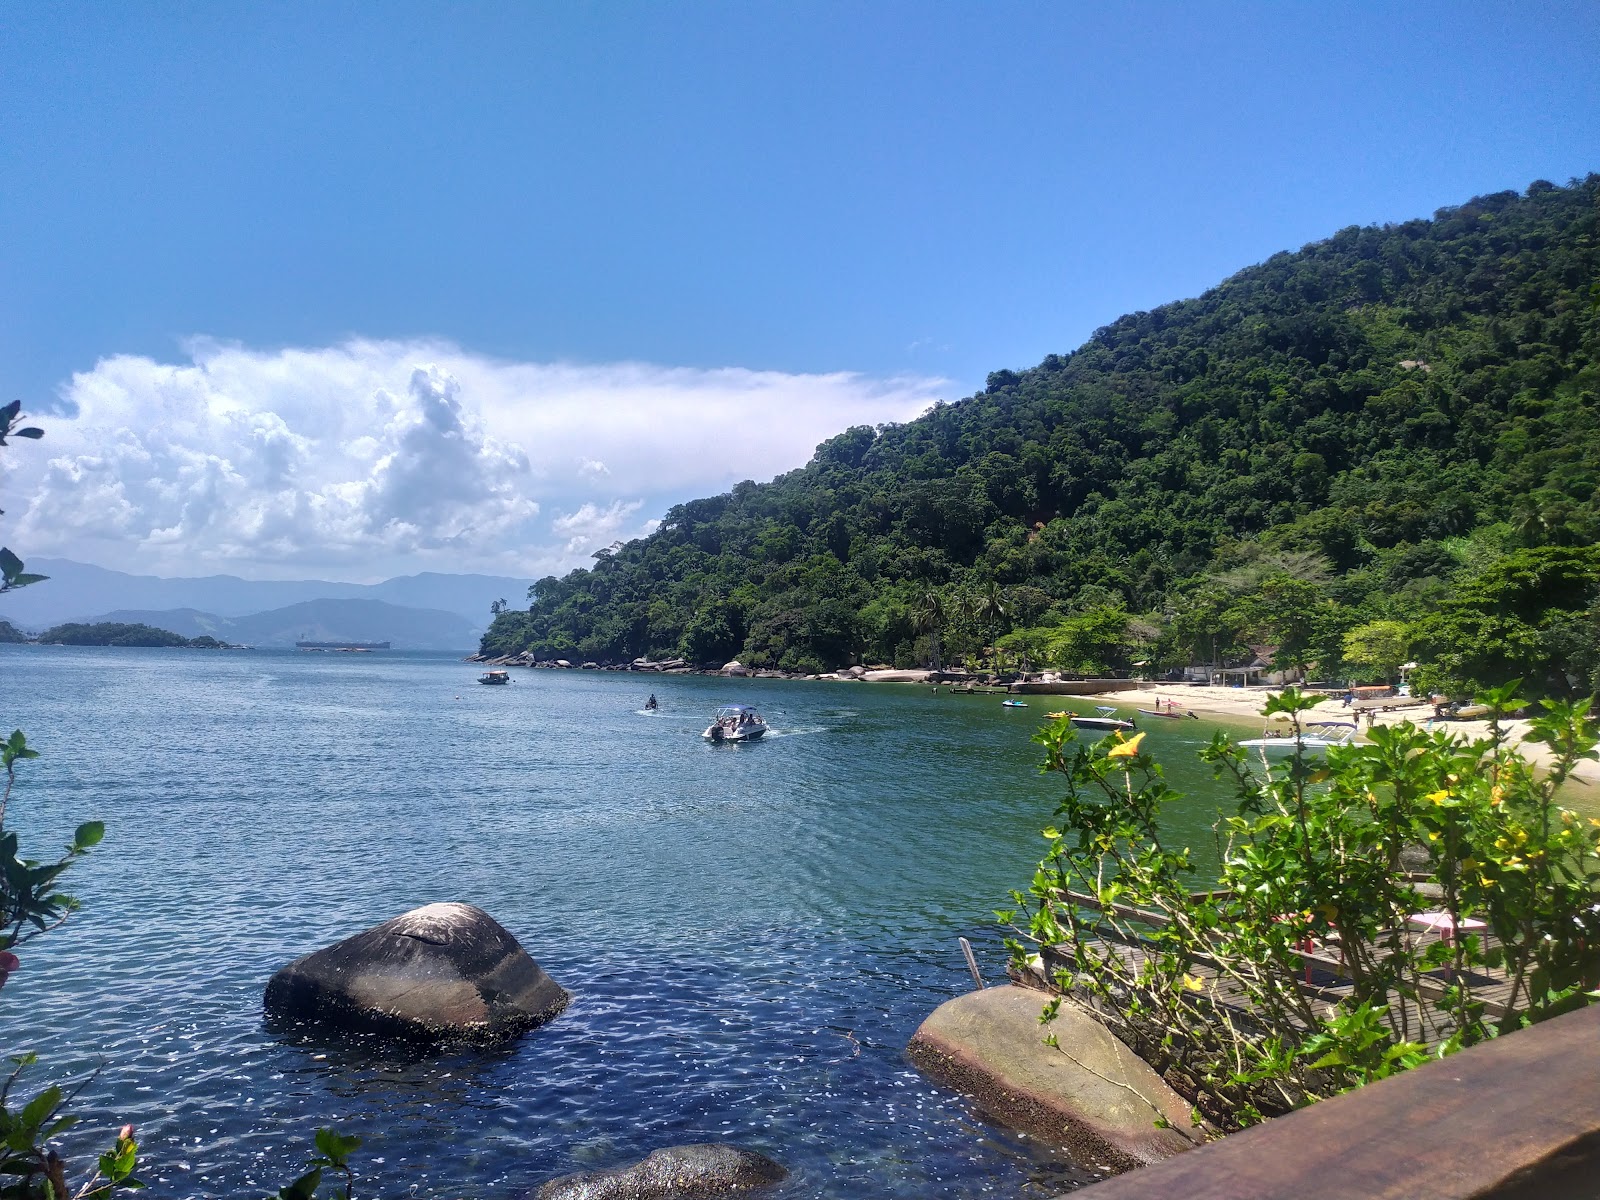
{"type": "Point", "coordinates": [751, 933]}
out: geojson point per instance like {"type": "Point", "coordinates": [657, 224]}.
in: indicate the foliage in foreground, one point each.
{"type": "Point", "coordinates": [1333, 855]}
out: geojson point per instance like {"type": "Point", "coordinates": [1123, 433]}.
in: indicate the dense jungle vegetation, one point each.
{"type": "Point", "coordinates": [1385, 446]}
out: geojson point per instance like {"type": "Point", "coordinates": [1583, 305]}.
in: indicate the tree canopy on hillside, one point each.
{"type": "Point", "coordinates": [1386, 426]}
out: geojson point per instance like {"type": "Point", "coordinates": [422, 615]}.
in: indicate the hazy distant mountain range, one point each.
{"type": "Point", "coordinates": [417, 612]}
{"type": "Point", "coordinates": [319, 621]}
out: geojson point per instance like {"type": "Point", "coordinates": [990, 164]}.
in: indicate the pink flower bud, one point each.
{"type": "Point", "coordinates": [125, 1134]}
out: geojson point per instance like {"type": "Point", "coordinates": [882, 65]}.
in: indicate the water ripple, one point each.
{"type": "Point", "coordinates": [751, 933]}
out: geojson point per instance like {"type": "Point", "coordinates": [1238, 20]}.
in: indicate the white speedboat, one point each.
{"type": "Point", "coordinates": [1317, 735]}
{"type": "Point", "coordinates": [1106, 720]}
{"type": "Point", "coordinates": [735, 723]}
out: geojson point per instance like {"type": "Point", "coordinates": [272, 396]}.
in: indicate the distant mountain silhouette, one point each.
{"type": "Point", "coordinates": [319, 621]}
{"type": "Point", "coordinates": [77, 592]}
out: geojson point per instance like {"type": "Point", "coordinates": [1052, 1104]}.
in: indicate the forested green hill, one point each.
{"type": "Point", "coordinates": [1386, 443]}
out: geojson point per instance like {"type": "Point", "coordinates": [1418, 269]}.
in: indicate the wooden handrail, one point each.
{"type": "Point", "coordinates": [1513, 1118]}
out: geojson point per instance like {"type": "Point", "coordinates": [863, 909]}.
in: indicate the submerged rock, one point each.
{"type": "Point", "coordinates": [676, 1173]}
{"type": "Point", "coordinates": [1093, 1096]}
{"type": "Point", "coordinates": [442, 971]}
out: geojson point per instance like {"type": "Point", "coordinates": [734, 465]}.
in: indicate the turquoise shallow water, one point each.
{"type": "Point", "coordinates": [751, 933]}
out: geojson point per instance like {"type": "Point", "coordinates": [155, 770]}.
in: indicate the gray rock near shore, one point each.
{"type": "Point", "coordinates": [439, 972]}
{"type": "Point", "coordinates": [1093, 1096]}
{"type": "Point", "coordinates": [676, 1173]}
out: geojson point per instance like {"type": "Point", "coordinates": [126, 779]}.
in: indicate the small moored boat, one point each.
{"type": "Point", "coordinates": [735, 723]}
{"type": "Point", "coordinates": [495, 677]}
{"type": "Point", "coordinates": [1105, 719]}
{"type": "Point", "coordinates": [1317, 735]}
{"type": "Point", "coordinates": [1012, 704]}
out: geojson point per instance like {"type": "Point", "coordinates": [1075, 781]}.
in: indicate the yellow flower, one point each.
{"type": "Point", "coordinates": [1193, 983]}
{"type": "Point", "coordinates": [1128, 748]}
{"type": "Point", "coordinates": [1437, 797]}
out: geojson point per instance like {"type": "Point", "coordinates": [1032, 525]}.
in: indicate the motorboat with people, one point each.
{"type": "Point", "coordinates": [1105, 719]}
{"type": "Point", "coordinates": [735, 723]}
{"type": "Point", "coordinates": [1315, 735]}
{"type": "Point", "coordinates": [494, 677]}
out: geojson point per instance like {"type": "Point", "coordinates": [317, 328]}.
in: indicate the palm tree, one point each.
{"type": "Point", "coordinates": [991, 607]}
{"type": "Point", "coordinates": [930, 612]}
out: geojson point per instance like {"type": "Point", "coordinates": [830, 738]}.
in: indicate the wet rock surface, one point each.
{"type": "Point", "coordinates": [1093, 1095]}
{"type": "Point", "coordinates": [676, 1173]}
{"type": "Point", "coordinates": [440, 972]}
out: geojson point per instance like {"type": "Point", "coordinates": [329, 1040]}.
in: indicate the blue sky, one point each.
{"type": "Point", "coordinates": [862, 206]}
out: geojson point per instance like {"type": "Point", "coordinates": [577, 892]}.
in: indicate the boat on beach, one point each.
{"type": "Point", "coordinates": [495, 677]}
{"type": "Point", "coordinates": [735, 723]}
{"type": "Point", "coordinates": [1105, 718]}
{"type": "Point", "coordinates": [1168, 709]}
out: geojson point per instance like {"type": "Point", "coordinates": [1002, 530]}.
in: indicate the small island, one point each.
{"type": "Point", "coordinates": [116, 633]}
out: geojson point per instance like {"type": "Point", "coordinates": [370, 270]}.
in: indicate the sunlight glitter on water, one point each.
{"type": "Point", "coordinates": [751, 936]}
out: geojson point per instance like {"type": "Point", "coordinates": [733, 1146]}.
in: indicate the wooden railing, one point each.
{"type": "Point", "coordinates": [1515, 1118]}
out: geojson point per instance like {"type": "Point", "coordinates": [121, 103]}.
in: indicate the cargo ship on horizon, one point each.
{"type": "Point", "coordinates": [341, 645]}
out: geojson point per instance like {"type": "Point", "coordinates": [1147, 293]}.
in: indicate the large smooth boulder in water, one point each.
{"type": "Point", "coordinates": [1093, 1096]}
{"type": "Point", "coordinates": [442, 971]}
{"type": "Point", "coordinates": [676, 1173]}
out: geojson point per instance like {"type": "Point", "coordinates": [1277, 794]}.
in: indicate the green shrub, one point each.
{"type": "Point", "coordinates": [1335, 854]}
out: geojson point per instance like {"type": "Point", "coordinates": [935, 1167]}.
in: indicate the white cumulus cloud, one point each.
{"type": "Point", "coordinates": [372, 458]}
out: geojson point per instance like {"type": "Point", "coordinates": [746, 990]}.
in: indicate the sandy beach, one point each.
{"type": "Point", "coordinates": [1246, 704]}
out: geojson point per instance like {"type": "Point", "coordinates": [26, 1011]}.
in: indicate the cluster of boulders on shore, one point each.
{"type": "Point", "coordinates": [738, 670]}
{"type": "Point", "coordinates": [449, 972]}
{"type": "Point", "coordinates": [670, 666]}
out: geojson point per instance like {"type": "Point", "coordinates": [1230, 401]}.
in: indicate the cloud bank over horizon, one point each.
{"type": "Point", "coordinates": [368, 458]}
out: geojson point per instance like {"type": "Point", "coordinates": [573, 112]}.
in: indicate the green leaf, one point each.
{"type": "Point", "coordinates": [88, 834]}
{"type": "Point", "coordinates": [336, 1147]}
{"type": "Point", "coordinates": [303, 1188]}
{"type": "Point", "coordinates": [37, 1111]}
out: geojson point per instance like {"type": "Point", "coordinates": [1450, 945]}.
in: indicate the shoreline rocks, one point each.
{"type": "Point", "coordinates": [676, 1173]}
{"type": "Point", "coordinates": [440, 972]}
{"type": "Point", "coordinates": [1093, 1095]}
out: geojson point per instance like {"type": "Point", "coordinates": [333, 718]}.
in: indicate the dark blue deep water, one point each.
{"type": "Point", "coordinates": [751, 933]}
